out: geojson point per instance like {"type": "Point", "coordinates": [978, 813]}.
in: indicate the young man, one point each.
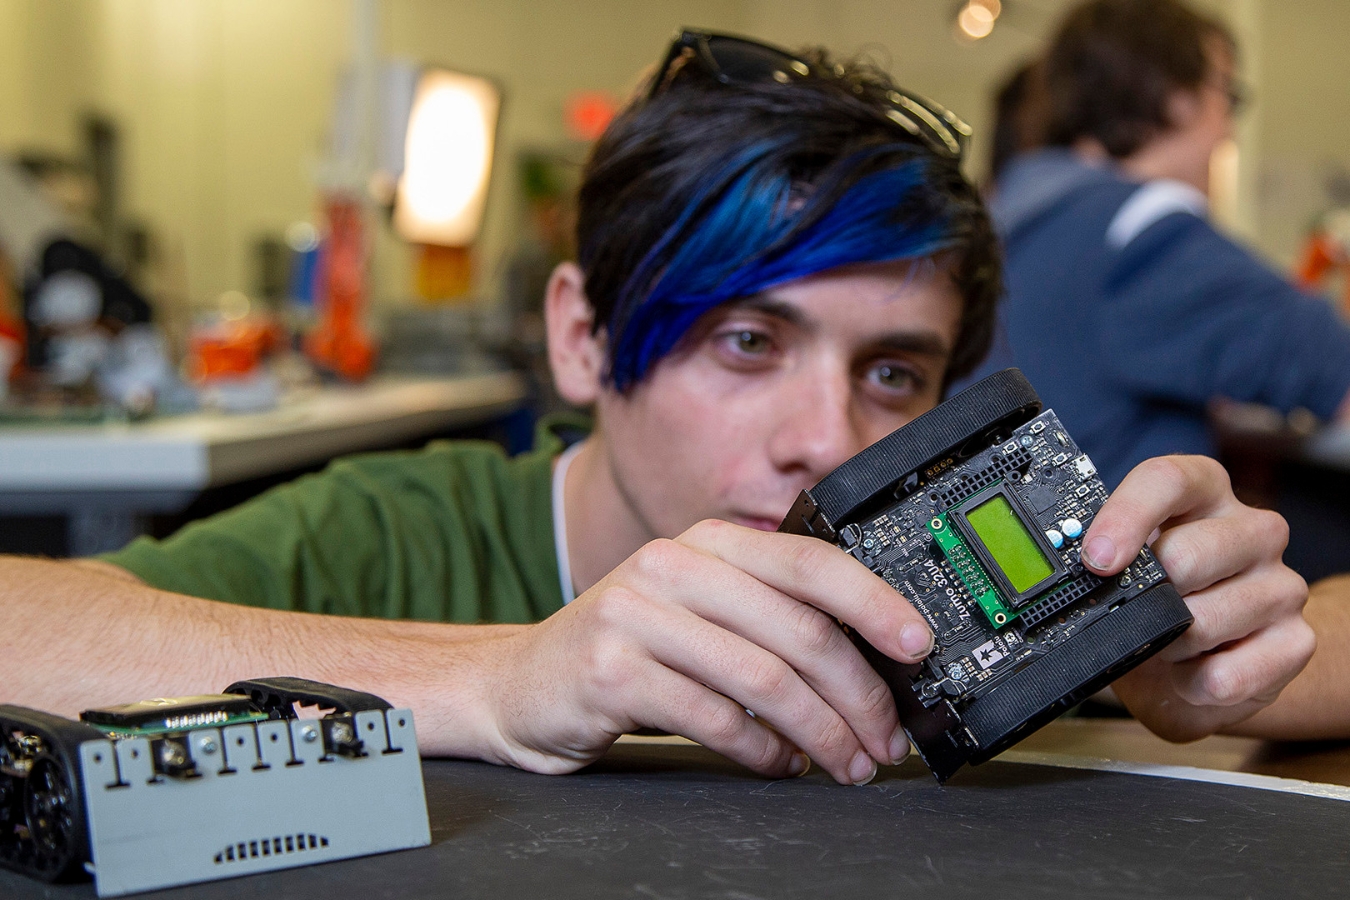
{"type": "Point", "coordinates": [1159, 314]}
{"type": "Point", "coordinates": [779, 264]}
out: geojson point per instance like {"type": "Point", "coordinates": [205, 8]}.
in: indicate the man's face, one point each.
{"type": "Point", "coordinates": [1203, 121]}
{"type": "Point", "coordinates": [766, 396]}
{"type": "Point", "coordinates": [1218, 95]}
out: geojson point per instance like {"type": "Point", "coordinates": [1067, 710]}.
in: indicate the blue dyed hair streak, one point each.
{"type": "Point", "coordinates": [753, 236]}
{"type": "Point", "coordinates": [709, 193]}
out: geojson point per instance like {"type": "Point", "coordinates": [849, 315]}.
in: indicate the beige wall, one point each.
{"type": "Point", "coordinates": [225, 104]}
{"type": "Point", "coordinates": [1303, 100]}
{"type": "Point", "coordinates": [39, 99]}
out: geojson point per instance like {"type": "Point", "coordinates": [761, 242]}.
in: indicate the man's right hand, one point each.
{"type": "Point", "coordinates": [687, 635]}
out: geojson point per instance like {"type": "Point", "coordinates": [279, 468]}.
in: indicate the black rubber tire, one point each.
{"type": "Point", "coordinates": [11, 808]}
{"type": "Point", "coordinates": [276, 696]}
{"type": "Point", "coordinates": [55, 819]}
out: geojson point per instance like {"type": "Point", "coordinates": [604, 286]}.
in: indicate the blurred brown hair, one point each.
{"type": "Point", "coordinates": [1021, 107]}
{"type": "Point", "coordinates": [1114, 63]}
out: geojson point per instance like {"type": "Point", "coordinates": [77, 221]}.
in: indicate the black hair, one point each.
{"type": "Point", "coordinates": [1019, 116]}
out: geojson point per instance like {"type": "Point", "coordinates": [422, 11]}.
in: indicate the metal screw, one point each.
{"type": "Point", "coordinates": [309, 734]}
{"type": "Point", "coordinates": [172, 754]}
{"type": "Point", "coordinates": [342, 732]}
{"type": "Point", "coordinates": [208, 746]}
{"type": "Point", "coordinates": [1026, 440]}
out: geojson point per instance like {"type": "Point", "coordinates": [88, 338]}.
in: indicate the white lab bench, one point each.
{"type": "Point", "coordinates": [106, 478]}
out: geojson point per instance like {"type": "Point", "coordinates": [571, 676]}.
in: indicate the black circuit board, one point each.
{"type": "Point", "coordinates": [1056, 483]}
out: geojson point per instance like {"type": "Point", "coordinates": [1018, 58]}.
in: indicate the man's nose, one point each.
{"type": "Point", "coordinates": [816, 429]}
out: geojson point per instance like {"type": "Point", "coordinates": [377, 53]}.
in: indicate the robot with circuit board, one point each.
{"type": "Point", "coordinates": [184, 789]}
{"type": "Point", "coordinates": [975, 512]}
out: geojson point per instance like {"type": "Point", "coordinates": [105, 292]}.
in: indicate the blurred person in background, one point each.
{"type": "Point", "coordinates": [1019, 118]}
{"type": "Point", "coordinates": [1125, 307]}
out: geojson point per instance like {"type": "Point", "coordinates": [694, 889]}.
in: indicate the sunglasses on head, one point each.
{"type": "Point", "coordinates": [733, 60]}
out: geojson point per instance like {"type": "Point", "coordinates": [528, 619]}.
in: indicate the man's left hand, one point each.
{"type": "Point", "coordinates": [1249, 638]}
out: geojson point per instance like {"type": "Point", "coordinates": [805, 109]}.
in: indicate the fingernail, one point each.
{"type": "Point", "coordinates": [899, 746]}
{"type": "Point", "coordinates": [800, 765]}
{"type": "Point", "coordinates": [862, 769]}
{"type": "Point", "coordinates": [916, 641]}
{"type": "Point", "coordinates": [1100, 552]}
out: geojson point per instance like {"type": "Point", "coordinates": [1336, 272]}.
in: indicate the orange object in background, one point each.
{"type": "Point", "coordinates": [232, 348]}
{"type": "Point", "coordinates": [12, 337]}
{"type": "Point", "coordinates": [339, 342]}
{"type": "Point", "coordinates": [1327, 251]}
{"type": "Point", "coordinates": [588, 113]}
{"type": "Point", "coordinates": [11, 331]}
{"type": "Point", "coordinates": [11, 352]}
{"type": "Point", "coordinates": [443, 273]}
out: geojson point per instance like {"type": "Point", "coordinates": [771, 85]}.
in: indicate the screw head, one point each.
{"type": "Point", "coordinates": [309, 734]}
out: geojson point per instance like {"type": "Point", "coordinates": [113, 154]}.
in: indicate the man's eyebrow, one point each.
{"type": "Point", "coordinates": [926, 343]}
{"type": "Point", "coordinates": [776, 308]}
{"type": "Point", "coordinates": [921, 341]}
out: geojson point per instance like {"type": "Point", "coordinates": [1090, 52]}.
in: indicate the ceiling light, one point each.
{"type": "Point", "coordinates": [975, 21]}
{"type": "Point", "coordinates": [995, 7]}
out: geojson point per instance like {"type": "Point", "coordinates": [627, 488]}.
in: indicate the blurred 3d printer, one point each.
{"type": "Point", "coordinates": [76, 333]}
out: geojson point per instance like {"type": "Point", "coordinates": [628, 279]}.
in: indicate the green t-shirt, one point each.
{"type": "Point", "coordinates": [455, 532]}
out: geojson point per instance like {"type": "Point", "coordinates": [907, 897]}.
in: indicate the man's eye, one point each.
{"type": "Point", "coordinates": [894, 377]}
{"type": "Point", "coordinates": [752, 343]}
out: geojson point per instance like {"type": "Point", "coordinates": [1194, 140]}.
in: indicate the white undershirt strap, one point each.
{"type": "Point", "coordinates": [1153, 202]}
{"type": "Point", "coordinates": [569, 591]}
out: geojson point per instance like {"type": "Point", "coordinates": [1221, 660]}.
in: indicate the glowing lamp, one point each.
{"type": "Point", "coordinates": [975, 19]}
{"type": "Point", "coordinates": [447, 159]}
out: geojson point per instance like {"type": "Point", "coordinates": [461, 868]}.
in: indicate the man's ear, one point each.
{"type": "Point", "coordinates": [575, 354]}
{"type": "Point", "coordinates": [1183, 108]}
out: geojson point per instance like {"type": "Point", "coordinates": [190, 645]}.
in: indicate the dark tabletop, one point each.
{"type": "Point", "coordinates": [678, 822]}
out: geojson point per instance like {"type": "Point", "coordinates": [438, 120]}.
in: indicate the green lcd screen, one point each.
{"type": "Point", "coordinates": [1009, 543]}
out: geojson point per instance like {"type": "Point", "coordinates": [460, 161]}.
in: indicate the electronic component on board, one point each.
{"type": "Point", "coordinates": [184, 789]}
{"type": "Point", "coordinates": [172, 714]}
{"type": "Point", "coordinates": [975, 512]}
